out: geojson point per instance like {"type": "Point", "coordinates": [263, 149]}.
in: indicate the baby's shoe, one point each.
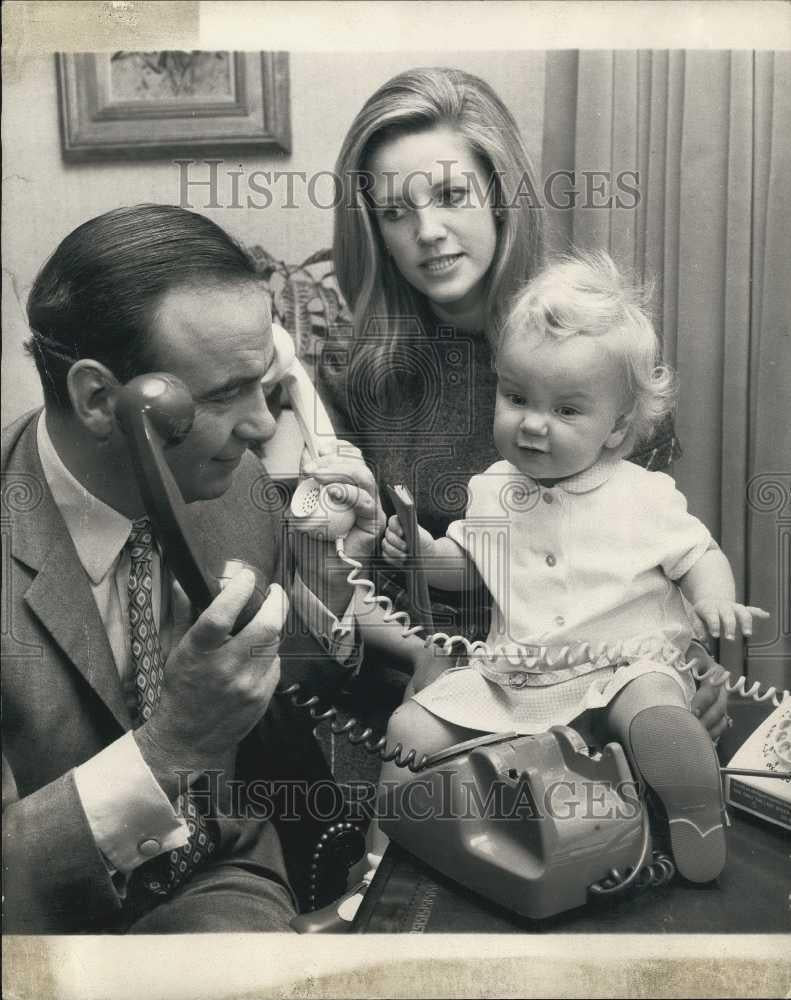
{"type": "Point", "coordinates": [676, 758]}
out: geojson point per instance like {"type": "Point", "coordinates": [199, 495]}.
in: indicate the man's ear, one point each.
{"type": "Point", "coordinates": [619, 431]}
{"type": "Point", "coordinates": [91, 387]}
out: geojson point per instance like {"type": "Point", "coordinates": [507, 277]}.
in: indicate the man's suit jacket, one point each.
{"type": "Point", "coordinates": [62, 697]}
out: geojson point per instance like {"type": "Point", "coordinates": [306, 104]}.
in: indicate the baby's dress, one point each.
{"type": "Point", "coordinates": [586, 568]}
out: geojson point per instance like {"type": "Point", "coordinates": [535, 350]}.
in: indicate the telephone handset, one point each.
{"type": "Point", "coordinates": [313, 508]}
{"type": "Point", "coordinates": [156, 412]}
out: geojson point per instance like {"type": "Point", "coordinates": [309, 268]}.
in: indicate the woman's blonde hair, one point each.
{"type": "Point", "coordinates": [380, 298]}
{"type": "Point", "coordinates": [584, 294]}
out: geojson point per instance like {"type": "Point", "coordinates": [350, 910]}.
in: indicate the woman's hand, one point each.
{"type": "Point", "coordinates": [342, 465]}
{"type": "Point", "coordinates": [394, 547]}
{"type": "Point", "coordinates": [710, 702]}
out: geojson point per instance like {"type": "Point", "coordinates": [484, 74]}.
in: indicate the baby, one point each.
{"type": "Point", "coordinates": [598, 574]}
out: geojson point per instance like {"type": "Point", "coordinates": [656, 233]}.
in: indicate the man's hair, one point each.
{"type": "Point", "coordinates": [97, 294]}
{"type": "Point", "coordinates": [584, 294]}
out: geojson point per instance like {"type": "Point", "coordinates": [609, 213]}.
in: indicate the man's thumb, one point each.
{"type": "Point", "coordinates": [272, 614]}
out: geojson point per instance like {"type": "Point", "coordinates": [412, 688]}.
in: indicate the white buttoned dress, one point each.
{"type": "Point", "coordinates": [592, 561]}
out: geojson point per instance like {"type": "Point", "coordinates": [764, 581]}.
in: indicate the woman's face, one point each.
{"type": "Point", "coordinates": [436, 217]}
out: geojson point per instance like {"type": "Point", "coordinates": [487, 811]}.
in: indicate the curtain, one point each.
{"type": "Point", "coordinates": [707, 133]}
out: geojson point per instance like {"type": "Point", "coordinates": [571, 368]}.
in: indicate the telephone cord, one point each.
{"type": "Point", "coordinates": [656, 872]}
{"type": "Point", "coordinates": [360, 735]}
{"type": "Point", "coordinates": [367, 739]}
{"type": "Point", "coordinates": [615, 881]}
{"type": "Point", "coordinates": [554, 656]}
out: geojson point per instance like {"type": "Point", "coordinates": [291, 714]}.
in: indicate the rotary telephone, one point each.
{"type": "Point", "coordinates": [533, 860]}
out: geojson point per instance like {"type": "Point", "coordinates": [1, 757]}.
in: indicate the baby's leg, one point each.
{"type": "Point", "coordinates": [672, 752]}
{"type": "Point", "coordinates": [413, 727]}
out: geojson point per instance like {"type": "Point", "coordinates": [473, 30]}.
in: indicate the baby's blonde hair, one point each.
{"type": "Point", "coordinates": [584, 294]}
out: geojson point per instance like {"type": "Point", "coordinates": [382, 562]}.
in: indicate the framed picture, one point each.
{"type": "Point", "coordinates": [117, 105]}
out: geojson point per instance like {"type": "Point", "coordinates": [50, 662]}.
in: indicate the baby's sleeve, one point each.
{"type": "Point", "coordinates": [684, 537]}
{"type": "Point", "coordinates": [482, 493]}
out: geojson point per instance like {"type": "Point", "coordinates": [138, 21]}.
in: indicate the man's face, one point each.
{"type": "Point", "coordinates": [218, 341]}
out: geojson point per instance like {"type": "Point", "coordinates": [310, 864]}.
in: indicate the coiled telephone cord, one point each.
{"type": "Point", "coordinates": [354, 731]}
{"type": "Point", "coordinates": [654, 873]}
{"type": "Point", "coordinates": [557, 656]}
{"type": "Point", "coordinates": [547, 656]}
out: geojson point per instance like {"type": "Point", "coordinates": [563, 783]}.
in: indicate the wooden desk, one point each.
{"type": "Point", "coordinates": [750, 897]}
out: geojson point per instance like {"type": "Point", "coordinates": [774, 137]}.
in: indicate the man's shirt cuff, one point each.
{"type": "Point", "coordinates": [337, 636]}
{"type": "Point", "coordinates": [131, 818]}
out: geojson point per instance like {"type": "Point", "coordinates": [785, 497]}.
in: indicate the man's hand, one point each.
{"type": "Point", "coordinates": [719, 615]}
{"type": "Point", "coordinates": [216, 686]}
{"type": "Point", "coordinates": [394, 542]}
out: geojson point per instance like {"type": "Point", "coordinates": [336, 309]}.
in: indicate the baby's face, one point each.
{"type": "Point", "coordinates": [559, 406]}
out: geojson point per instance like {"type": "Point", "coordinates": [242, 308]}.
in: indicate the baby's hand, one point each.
{"type": "Point", "coordinates": [718, 614]}
{"type": "Point", "coordinates": [394, 542]}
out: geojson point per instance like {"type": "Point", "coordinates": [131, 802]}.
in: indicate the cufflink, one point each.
{"type": "Point", "coordinates": [149, 848]}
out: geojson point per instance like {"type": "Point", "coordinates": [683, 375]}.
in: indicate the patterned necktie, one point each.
{"type": "Point", "coordinates": [146, 658]}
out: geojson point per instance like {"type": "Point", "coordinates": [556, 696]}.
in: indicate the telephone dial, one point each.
{"type": "Point", "coordinates": [537, 864]}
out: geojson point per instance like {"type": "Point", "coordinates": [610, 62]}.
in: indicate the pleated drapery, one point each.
{"type": "Point", "coordinates": [707, 134]}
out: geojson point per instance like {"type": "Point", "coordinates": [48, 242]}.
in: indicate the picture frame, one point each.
{"type": "Point", "coordinates": [128, 105]}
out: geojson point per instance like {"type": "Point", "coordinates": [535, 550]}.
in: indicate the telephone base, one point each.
{"type": "Point", "coordinates": [530, 822]}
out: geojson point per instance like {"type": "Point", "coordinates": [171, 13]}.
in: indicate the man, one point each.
{"type": "Point", "coordinates": [107, 705]}
{"type": "Point", "coordinates": [93, 767]}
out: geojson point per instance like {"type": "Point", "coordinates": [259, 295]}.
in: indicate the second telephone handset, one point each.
{"type": "Point", "coordinates": [314, 508]}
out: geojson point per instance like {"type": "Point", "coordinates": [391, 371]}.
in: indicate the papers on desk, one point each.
{"type": "Point", "coordinates": [767, 748]}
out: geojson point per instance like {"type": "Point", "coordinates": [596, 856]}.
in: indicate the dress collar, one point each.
{"type": "Point", "coordinates": [99, 533]}
{"type": "Point", "coordinates": [592, 478]}
{"type": "Point", "coordinates": [585, 481]}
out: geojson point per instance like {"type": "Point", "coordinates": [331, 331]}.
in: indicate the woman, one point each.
{"type": "Point", "coordinates": [437, 230]}
{"type": "Point", "coordinates": [430, 243]}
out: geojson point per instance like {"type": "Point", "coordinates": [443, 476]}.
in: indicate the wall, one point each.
{"type": "Point", "coordinates": [44, 199]}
